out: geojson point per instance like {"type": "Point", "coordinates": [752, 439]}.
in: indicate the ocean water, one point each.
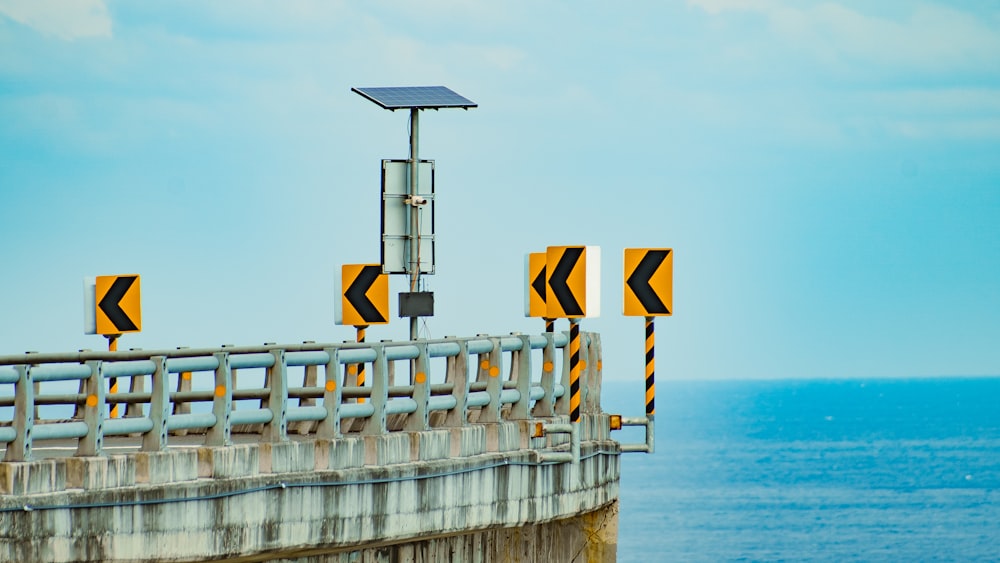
{"type": "Point", "coordinates": [849, 470]}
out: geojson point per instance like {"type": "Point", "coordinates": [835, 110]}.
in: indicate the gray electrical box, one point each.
{"type": "Point", "coordinates": [416, 304]}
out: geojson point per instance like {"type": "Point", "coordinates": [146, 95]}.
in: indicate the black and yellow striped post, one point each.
{"type": "Point", "coordinates": [574, 370]}
{"type": "Point", "coordinates": [361, 366]}
{"type": "Point", "coordinates": [550, 325]}
{"type": "Point", "coordinates": [650, 369]}
{"type": "Point", "coordinates": [113, 347]}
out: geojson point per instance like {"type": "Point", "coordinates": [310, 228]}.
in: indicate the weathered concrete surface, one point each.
{"type": "Point", "coordinates": [590, 538]}
{"type": "Point", "coordinates": [403, 494]}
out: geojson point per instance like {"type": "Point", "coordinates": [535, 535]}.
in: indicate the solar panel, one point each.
{"type": "Point", "coordinates": [415, 97]}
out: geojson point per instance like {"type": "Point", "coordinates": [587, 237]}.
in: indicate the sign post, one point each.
{"type": "Point", "coordinates": [118, 310]}
{"type": "Point", "coordinates": [573, 292]}
{"type": "Point", "coordinates": [648, 293]}
{"type": "Point", "coordinates": [364, 301]}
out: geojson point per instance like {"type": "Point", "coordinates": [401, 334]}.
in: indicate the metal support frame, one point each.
{"type": "Point", "coordinates": [420, 418]}
{"type": "Point", "coordinates": [221, 433]}
{"type": "Point", "coordinates": [159, 408]}
{"type": "Point", "coordinates": [329, 427]}
{"type": "Point", "coordinates": [277, 400]}
{"type": "Point", "coordinates": [93, 412]}
{"type": "Point", "coordinates": [502, 394]}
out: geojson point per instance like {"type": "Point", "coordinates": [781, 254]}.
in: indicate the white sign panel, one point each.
{"type": "Point", "coordinates": [396, 220]}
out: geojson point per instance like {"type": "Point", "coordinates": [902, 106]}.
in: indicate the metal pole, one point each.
{"type": "Point", "coordinates": [650, 370]}
{"type": "Point", "coordinates": [414, 232]}
{"type": "Point", "coordinates": [650, 385]}
{"type": "Point", "coordinates": [113, 347]}
{"type": "Point", "coordinates": [361, 366]}
{"type": "Point", "coordinates": [574, 370]}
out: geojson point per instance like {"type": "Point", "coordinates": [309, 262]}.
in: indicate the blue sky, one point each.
{"type": "Point", "coordinates": [828, 173]}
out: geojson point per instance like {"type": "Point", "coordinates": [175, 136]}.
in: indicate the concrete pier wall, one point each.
{"type": "Point", "coordinates": [477, 493]}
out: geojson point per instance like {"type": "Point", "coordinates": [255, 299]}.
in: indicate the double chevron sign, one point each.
{"type": "Point", "coordinates": [564, 282]}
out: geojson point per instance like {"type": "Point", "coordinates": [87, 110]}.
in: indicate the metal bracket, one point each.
{"type": "Point", "coordinates": [647, 422]}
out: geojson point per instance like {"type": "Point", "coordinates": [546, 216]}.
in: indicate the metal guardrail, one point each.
{"type": "Point", "coordinates": [322, 406]}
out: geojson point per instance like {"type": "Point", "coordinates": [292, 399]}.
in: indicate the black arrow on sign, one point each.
{"type": "Point", "coordinates": [109, 303]}
{"type": "Point", "coordinates": [539, 284]}
{"type": "Point", "coordinates": [560, 289]}
{"type": "Point", "coordinates": [639, 282]}
{"type": "Point", "coordinates": [356, 294]}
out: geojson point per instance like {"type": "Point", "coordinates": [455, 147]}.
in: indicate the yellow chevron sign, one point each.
{"type": "Point", "coordinates": [534, 290]}
{"type": "Point", "coordinates": [365, 297]}
{"type": "Point", "coordinates": [119, 307]}
{"type": "Point", "coordinates": [573, 282]}
{"type": "Point", "coordinates": [649, 282]}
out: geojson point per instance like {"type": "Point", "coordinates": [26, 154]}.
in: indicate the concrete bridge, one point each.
{"type": "Point", "coordinates": [459, 449]}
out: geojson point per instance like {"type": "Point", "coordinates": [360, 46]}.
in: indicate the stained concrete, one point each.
{"type": "Point", "coordinates": [479, 493]}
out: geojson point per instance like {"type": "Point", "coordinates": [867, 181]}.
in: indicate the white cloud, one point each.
{"type": "Point", "coordinates": [930, 38]}
{"type": "Point", "coordinates": [64, 19]}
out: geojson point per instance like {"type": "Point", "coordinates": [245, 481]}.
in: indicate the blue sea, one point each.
{"type": "Point", "coordinates": [806, 470]}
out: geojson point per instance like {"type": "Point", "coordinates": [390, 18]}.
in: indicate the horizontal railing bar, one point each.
{"type": "Point", "coordinates": [243, 361]}
{"type": "Point", "coordinates": [401, 406]}
{"type": "Point", "coordinates": [442, 403]}
{"type": "Point", "coordinates": [634, 421]}
{"type": "Point", "coordinates": [127, 397]}
{"type": "Point", "coordinates": [476, 345]}
{"type": "Point", "coordinates": [189, 421]}
{"type": "Point", "coordinates": [356, 410]}
{"type": "Point", "coordinates": [536, 393]}
{"type": "Point", "coordinates": [558, 390]}
{"type": "Point", "coordinates": [305, 392]}
{"type": "Point", "coordinates": [356, 356]}
{"type": "Point", "coordinates": [510, 343]}
{"type": "Point", "coordinates": [204, 363]}
{"type": "Point", "coordinates": [443, 349]}
{"type": "Point", "coordinates": [129, 368]}
{"type": "Point", "coordinates": [189, 396]}
{"type": "Point", "coordinates": [64, 372]}
{"type": "Point", "coordinates": [307, 358]}
{"type": "Point", "coordinates": [401, 352]}
{"type": "Point", "coordinates": [61, 399]}
{"type": "Point", "coordinates": [8, 375]}
{"type": "Point", "coordinates": [509, 396]}
{"type": "Point", "coordinates": [7, 434]}
{"type": "Point", "coordinates": [121, 426]}
{"type": "Point", "coordinates": [243, 394]}
{"type": "Point", "coordinates": [478, 399]}
{"type": "Point", "coordinates": [59, 430]}
{"type": "Point", "coordinates": [356, 392]}
{"type": "Point", "coordinates": [480, 346]}
{"type": "Point", "coordinates": [251, 416]}
{"type": "Point", "coordinates": [296, 414]}
{"type": "Point", "coordinates": [481, 385]}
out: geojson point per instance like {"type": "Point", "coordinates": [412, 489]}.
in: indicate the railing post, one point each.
{"type": "Point", "coordinates": [329, 427]}
{"type": "Point", "coordinates": [562, 403]}
{"type": "Point", "coordinates": [545, 406]}
{"type": "Point", "coordinates": [93, 411]}
{"type": "Point", "coordinates": [159, 407]}
{"type": "Point", "coordinates": [380, 393]}
{"type": "Point", "coordinates": [24, 416]}
{"type": "Point", "coordinates": [519, 411]}
{"type": "Point", "coordinates": [222, 405]}
{"type": "Point", "coordinates": [277, 399]}
{"type": "Point", "coordinates": [493, 368]}
{"type": "Point", "coordinates": [420, 419]}
{"type": "Point", "coordinates": [458, 376]}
